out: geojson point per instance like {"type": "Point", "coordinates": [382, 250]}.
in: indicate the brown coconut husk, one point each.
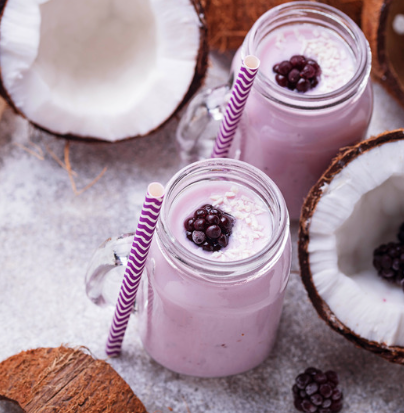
{"type": "Point", "coordinates": [230, 20]}
{"type": "Point", "coordinates": [394, 354]}
{"type": "Point", "coordinates": [201, 67]}
{"type": "Point", "coordinates": [387, 46]}
{"type": "Point", "coordinates": [3, 106]}
{"type": "Point", "coordinates": [65, 380]}
{"type": "Point", "coordinates": [352, 8]}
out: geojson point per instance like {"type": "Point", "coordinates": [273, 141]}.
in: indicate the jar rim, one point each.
{"type": "Point", "coordinates": [300, 11]}
{"type": "Point", "coordinates": [219, 271]}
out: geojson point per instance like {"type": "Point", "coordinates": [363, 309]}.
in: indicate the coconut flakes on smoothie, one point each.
{"type": "Point", "coordinates": [318, 45]}
{"type": "Point", "coordinates": [248, 236]}
{"type": "Point", "coordinates": [233, 226]}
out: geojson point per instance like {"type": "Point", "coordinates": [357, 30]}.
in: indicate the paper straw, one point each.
{"type": "Point", "coordinates": [234, 110]}
{"type": "Point", "coordinates": [136, 262]}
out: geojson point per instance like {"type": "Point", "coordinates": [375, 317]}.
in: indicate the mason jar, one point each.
{"type": "Point", "coordinates": [197, 314]}
{"type": "Point", "coordinates": [293, 136]}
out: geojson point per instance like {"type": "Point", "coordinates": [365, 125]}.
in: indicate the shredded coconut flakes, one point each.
{"type": "Point", "coordinates": [246, 229]}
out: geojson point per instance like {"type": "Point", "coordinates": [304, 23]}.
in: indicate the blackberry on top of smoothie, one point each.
{"type": "Point", "coordinates": [300, 73]}
{"type": "Point", "coordinates": [313, 79]}
{"type": "Point", "coordinates": [310, 59]}
{"type": "Point", "coordinates": [209, 228]}
{"type": "Point", "coordinates": [222, 221]}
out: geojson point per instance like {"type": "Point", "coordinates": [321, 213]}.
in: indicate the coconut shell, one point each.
{"type": "Point", "coordinates": [387, 46]}
{"type": "Point", "coordinates": [392, 353]}
{"type": "Point", "coordinates": [230, 20]}
{"type": "Point", "coordinates": [202, 61]}
{"type": "Point", "coordinates": [3, 105]}
{"type": "Point", "coordinates": [201, 67]}
{"type": "Point", "coordinates": [353, 8]}
{"type": "Point", "coordinates": [65, 380]}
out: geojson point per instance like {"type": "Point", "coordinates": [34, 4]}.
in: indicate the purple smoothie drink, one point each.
{"type": "Point", "coordinates": [215, 313]}
{"type": "Point", "coordinates": [290, 135]}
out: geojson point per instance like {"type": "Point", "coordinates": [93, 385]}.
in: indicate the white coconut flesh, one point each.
{"type": "Point", "coordinates": [360, 209]}
{"type": "Point", "coordinates": [109, 69]}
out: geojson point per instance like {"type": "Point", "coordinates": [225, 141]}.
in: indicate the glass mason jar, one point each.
{"type": "Point", "coordinates": [200, 316]}
{"type": "Point", "coordinates": [293, 136]}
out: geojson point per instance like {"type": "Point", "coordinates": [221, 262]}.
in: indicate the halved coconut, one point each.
{"type": "Point", "coordinates": [101, 69]}
{"type": "Point", "coordinates": [64, 380]}
{"type": "Point", "coordinates": [357, 205]}
{"type": "Point", "coordinates": [383, 25]}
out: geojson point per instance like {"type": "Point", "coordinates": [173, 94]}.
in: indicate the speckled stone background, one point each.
{"type": "Point", "coordinates": [47, 236]}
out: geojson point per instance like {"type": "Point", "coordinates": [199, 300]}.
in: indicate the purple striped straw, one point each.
{"type": "Point", "coordinates": [136, 262]}
{"type": "Point", "coordinates": [234, 110]}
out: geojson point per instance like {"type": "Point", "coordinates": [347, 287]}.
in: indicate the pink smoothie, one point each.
{"type": "Point", "coordinates": [293, 136]}
{"type": "Point", "coordinates": [205, 327]}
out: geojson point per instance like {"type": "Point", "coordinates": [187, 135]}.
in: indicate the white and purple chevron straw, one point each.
{"type": "Point", "coordinates": [136, 262]}
{"type": "Point", "coordinates": [234, 110]}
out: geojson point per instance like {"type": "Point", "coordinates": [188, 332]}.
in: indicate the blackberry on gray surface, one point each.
{"type": "Point", "coordinates": [388, 259]}
{"type": "Point", "coordinates": [299, 73]}
{"type": "Point", "coordinates": [400, 234]}
{"type": "Point", "coordinates": [317, 392]}
{"type": "Point", "coordinates": [209, 228]}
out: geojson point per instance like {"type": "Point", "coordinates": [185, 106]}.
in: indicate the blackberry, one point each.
{"type": "Point", "coordinates": [317, 392]}
{"type": "Point", "coordinates": [281, 80]}
{"type": "Point", "coordinates": [388, 259]}
{"type": "Point", "coordinates": [209, 228]}
{"type": "Point", "coordinates": [303, 85]}
{"type": "Point", "coordinates": [294, 76]}
{"type": "Point", "coordinates": [298, 61]}
{"type": "Point", "coordinates": [299, 73]}
{"type": "Point", "coordinates": [400, 234]}
{"type": "Point", "coordinates": [284, 68]}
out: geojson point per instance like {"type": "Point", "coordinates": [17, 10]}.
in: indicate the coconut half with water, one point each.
{"type": "Point", "coordinates": [101, 69]}
{"type": "Point", "coordinates": [357, 205]}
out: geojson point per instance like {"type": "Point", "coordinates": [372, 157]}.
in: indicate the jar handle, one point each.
{"type": "Point", "coordinates": [106, 269]}
{"type": "Point", "coordinates": [199, 125]}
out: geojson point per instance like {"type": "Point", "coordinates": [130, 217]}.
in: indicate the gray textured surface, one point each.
{"type": "Point", "coordinates": [9, 407]}
{"type": "Point", "coordinates": [48, 235]}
